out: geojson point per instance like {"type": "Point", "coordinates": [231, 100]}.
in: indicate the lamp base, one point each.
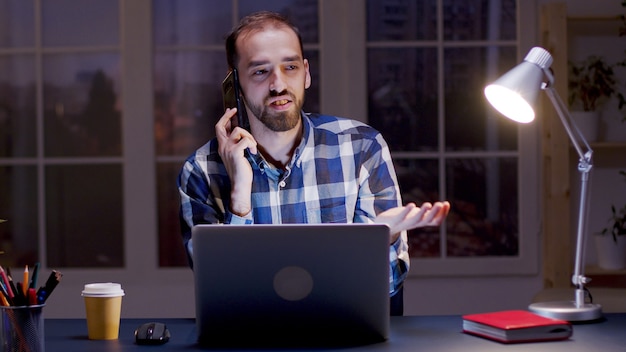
{"type": "Point", "coordinates": [567, 310]}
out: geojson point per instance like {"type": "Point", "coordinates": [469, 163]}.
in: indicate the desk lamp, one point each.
{"type": "Point", "coordinates": [514, 95]}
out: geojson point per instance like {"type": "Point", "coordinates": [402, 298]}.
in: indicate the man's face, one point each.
{"type": "Point", "coordinates": [273, 76]}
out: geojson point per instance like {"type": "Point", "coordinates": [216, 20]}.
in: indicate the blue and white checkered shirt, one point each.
{"type": "Point", "coordinates": [341, 172]}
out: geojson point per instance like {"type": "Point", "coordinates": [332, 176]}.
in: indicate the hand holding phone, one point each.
{"type": "Point", "coordinates": [232, 96]}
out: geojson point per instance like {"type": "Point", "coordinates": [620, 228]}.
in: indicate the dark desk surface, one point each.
{"type": "Point", "coordinates": [425, 333]}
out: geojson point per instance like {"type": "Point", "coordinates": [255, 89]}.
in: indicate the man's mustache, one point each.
{"type": "Point", "coordinates": [274, 93]}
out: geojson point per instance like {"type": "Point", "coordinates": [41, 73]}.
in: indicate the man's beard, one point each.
{"type": "Point", "coordinates": [278, 121]}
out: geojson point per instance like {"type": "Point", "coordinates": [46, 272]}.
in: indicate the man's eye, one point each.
{"type": "Point", "coordinates": [259, 72]}
{"type": "Point", "coordinates": [291, 67]}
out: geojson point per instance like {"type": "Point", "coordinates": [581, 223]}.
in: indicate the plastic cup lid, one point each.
{"type": "Point", "coordinates": [103, 289]}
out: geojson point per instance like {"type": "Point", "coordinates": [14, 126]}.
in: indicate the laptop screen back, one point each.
{"type": "Point", "coordinates": [301, 284]}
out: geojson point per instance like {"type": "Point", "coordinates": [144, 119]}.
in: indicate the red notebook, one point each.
{"type": "Point", "coordinates": [513, 326]}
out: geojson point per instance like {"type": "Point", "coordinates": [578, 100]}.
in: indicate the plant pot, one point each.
{"type": "Point", "coordinates": [588, 122]}
{"type": "Point", "coordinates": [611, 255]}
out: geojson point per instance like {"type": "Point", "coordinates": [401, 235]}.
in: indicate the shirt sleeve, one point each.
{"type": "Point", "coordinates": [194, 197]}
{"type": "Point", "coordinates": [399, 261]}
{"type": "Point", "coordinates": [378, 192]}
{"type": "Point", "coordinates": [204, 188]}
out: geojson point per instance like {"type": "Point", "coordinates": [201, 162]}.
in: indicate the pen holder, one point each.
{"type": "Point", "coordinates": [22, 328]}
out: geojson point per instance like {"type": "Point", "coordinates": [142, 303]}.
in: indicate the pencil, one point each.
{"type": "Point", "coordinates": [14, 292]}
{"type": "Point", "coordinates": [25, 281]}
{"type": "Point", "coordinates": [4, 292]}
{"type": "Point", "coordinates": [3, 300]}
{"type": "Point", "coordinates": [6, 282]}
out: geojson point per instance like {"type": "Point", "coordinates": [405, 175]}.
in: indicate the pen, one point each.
{"type": "Point", "coordinates": [41, 296]}
{"type": "Point", "coordinates": [19, 299]}
{"type": "Point", "coordinates": [51, 283]}
{"type": "Point", "coordinates": [32, 297]}
{"type": "Point", "coordinates": [35, 276]}
{"type": "Point", "coordinates": [25, 281]}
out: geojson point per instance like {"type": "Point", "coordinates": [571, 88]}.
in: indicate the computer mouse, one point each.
{"type": "Point", "coordinates": [152, 333]}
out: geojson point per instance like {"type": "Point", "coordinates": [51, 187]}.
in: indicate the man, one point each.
{"type": "Point", "coordinates": [292, 167]}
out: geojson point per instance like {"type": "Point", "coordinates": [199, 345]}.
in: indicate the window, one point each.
{"type": "Point", "coordinates": [427, 64]}
{"type": "Point", "coordinates": [62, 141]}
{"type": "Point", "coordinates": [424, 89]}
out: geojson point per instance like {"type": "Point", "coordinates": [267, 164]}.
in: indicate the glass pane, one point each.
{"type": "Point", "coordinates": [479, 20]}
{"type": "Point", "coordinates": [81, 107]}
{"type": "Point", "coordinates": [401, 20]}
{"type": "Point", "coordinates": [84, 209]}
{"type": "Point", "coordinates": [17, 18]}
{"type": "Point", "coordinates": [402, 96]}
{"type": "Point", "coordinates": [303, 13]}
{"type": "Point", "coordinates": [191, 22]}
{"type": "Point", "coordinates": [188, 99]}
{"type": "Point", "coordinates": [79, 22]}
{"type": "Point", "coordinates": [470, 124]}
{"type": "Point", "coordinates": [171, 250]}
{"type": "Point", "coordinates": [17, 106]}
{"type": "Point", "coordinates": [484, 216]}
{"type": "Point", "coordinates": [18, 205]}
{"type": "Point", "coordinates": [419, 183]}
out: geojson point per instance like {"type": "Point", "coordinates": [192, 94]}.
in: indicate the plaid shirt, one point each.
{"type": "Point", "coordinates": [341, 172]}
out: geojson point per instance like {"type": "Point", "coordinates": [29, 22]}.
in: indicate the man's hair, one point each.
{"type": "Point", "coordinates": [256, 22]}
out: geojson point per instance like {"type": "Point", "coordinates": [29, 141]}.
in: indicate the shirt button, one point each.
{"type": "Point", "coordinates": [282, 184]}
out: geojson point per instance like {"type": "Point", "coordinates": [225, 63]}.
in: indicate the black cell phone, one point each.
{"type": "Point", "coordinates": [232, 96]}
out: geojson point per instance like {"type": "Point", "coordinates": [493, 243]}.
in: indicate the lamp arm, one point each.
{"type": "Point", "coordinates": [585, 165]}
{"type": "Point", "coordinates": [570, 126]}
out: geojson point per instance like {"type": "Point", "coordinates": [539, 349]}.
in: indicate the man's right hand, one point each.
{"type": "Point", "coordinates": [232, 145]}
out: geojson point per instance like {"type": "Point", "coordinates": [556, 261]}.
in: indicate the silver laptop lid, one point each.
{"type": "Point", "coordinates": [304, 284]}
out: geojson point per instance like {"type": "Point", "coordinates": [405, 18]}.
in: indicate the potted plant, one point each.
{"type": "Point", "coordinates": [622, 17]}
{"type": "Point", "coordinates": [617, 222]}
{"type": "Point", "coordinates": [622, 32]}
{"type": "Point", "coordinates": [612, 250]}
{"type": "Point", "coordinates": [591, 82]}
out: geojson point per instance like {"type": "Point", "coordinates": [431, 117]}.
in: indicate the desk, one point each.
{"type": "Point", "coordinates": [423, 333]}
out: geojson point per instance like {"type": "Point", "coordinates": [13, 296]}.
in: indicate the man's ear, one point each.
{"type": "Point", "coordinates": [307, 78]}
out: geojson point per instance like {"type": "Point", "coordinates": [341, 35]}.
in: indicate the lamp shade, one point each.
{"type": "Point", "coordinates": [514, 94]}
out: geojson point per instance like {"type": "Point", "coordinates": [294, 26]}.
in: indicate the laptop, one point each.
{"type": "Point", "coordinates": [291, 284]}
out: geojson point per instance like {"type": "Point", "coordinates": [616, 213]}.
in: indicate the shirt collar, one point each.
{"type": "Point", "coordinates": [306, 143]}
{"type": "Point", "coordinates": [304, 148]}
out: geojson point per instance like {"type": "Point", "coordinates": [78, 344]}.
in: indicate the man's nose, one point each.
{"type": "Point", "coordinates": [277, 82]}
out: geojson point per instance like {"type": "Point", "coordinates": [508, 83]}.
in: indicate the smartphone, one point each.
{"type": "Point", "coordinates": [231, 94]}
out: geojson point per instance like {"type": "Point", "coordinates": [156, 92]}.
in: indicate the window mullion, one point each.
{"type": "Point", "coordinates": [138, 136]}
{"type": "Point", "coordinates": [343, 76]}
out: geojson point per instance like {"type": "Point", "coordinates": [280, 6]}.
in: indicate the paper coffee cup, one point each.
{"type": "Point", "coordinates": [103, 305]}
